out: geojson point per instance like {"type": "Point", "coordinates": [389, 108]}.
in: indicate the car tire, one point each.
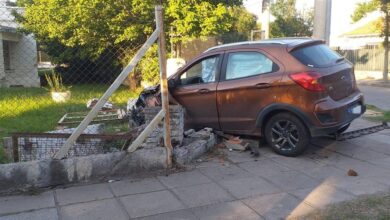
{"type": "Point", "coordinates": [287, 135]}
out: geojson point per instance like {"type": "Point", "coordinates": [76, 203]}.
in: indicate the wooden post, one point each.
{"type": "Point", "coordinates": [162, 54]}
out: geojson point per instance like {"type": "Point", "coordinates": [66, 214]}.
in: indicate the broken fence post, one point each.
{"type": "Point", "coordinates": [145, 133]}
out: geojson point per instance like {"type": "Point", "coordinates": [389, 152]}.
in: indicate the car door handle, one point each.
{"type": "Point", "coordinates": [262, 85]}
{"type": "Point", "coordinates": [203, 91]}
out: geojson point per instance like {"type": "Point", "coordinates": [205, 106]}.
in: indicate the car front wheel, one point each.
{"type": "Point", "coordinates": [287, 135]}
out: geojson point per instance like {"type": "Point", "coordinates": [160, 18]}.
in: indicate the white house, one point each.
{"type": "Point", "coordinates": [18, 52]}
{"type": "Point", "coordinates": [363, 33]}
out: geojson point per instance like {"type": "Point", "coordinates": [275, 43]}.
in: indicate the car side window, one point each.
{"type": "Point", "coordinates": [244, 64]}
{"type": "Point", "coordinates": [202, 72]}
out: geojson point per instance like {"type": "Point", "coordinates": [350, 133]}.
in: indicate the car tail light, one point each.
{"type": "Point", "coordinates": [308, 80]}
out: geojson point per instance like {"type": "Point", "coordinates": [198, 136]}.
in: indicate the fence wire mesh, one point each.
{"type": "Point", "coordinates": [29, 146]}
{"type": "Point", "coordinates": [50, 88]}
{"type": "Point", "coordinates": [47, 86]}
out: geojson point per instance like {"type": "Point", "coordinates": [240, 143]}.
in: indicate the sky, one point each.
{"type": "Point", "coordinates": [341, 12]}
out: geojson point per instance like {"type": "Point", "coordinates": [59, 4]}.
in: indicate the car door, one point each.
{"type": "Point", "coordinates": [247, 84]}
{"type": "Point", "coordinates": [196, 91]}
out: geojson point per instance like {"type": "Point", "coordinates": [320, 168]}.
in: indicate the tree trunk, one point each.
{"type": "Point", "coordinates": [386, 45]}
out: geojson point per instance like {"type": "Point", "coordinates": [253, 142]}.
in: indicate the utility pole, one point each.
{"type": "Point", "coordinates": [385, 9]}
{"type": "Point", "coordinates": [322, 19]}
{"type": "Point", "coordinates": [265, 18]}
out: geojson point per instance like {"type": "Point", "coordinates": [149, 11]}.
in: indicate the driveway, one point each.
{"type": "Point", "coordinates": [378, 96]}
{"type": "Point", "coordinates": [236, 187]}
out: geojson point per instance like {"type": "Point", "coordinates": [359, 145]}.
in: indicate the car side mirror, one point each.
{"type": "Point", "coordinates": [172, 83]}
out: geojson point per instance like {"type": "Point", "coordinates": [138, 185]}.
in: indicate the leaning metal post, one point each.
{"type": "Point", "coordinates": [162, 55]}
{"type": "Point", "coordinates": [114, 86]}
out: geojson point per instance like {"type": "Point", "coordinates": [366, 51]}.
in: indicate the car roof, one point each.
{"type": "Point", "coordinates": [289, 43]}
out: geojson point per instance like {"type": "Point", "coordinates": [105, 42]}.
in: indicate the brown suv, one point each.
{"type": "Point", "coordinates": [287, 90]}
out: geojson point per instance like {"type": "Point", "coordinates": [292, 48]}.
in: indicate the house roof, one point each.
{"type": "Point", "coordinates": [371, 28]}
{"type": "Point", "coordinates": [7, 29]}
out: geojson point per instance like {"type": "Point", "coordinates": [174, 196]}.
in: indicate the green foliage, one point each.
{"type": "Point", "coordinates": [242, 24]}
{"type": "Point", "coordinates": [91, 25]}
{"type": "Point", "coordinates": [363, 8]}
{"type": "Point", "coordinates": [193, 20]}
{"type": "Point", "coordinates": [89, 30]}
{"type": "Point", "coordinates": [289, 22]}
{"type": "Point", "coordinates": [148, 67]}
{"type": "Point", "coordinates": [54, 81]}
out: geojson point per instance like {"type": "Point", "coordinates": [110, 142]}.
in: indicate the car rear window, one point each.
{"type": "Point", "coordinates": [318, 55]}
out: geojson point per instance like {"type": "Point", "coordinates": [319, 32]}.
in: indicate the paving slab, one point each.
{"type": "Point", "coordinates": [128, 187]}
{"type": "Point", "coordinates": [219, 173]}
{"type": "Point", "coordinates": [292, 180]}
{"type": "Point", "coordinates": [278, 206]}
{"type": "Point", "coordinates": [204, 194]}
{"type": "Point", "coordinates": [357, 185]}
{"type": "Point", "coordinates": [297, 163]}
{"type": "Point", "coordinates": [247, 187]}
{"type": "Point", "coordinates": [368, 154]}
{"type": "Point", "coordinates": [152, 203]}
{"type": "Point", "coordinates": [363, 168]}
{"type": "Point", "coordinates": [370, 143]}
{"type": "Point", "coordinates": [263, 167]}
{"type": "Point", "coordinates": [107, 209]}
{"type": "Point", "coordinates": [240, 156]}
{"type": "Point", "coordinates": [384, 163]}
{"type": "Point", "coordinates": [226, 211]}
{"type": "Point", "coordinates": [322, 195]}
{"type": "Point", "coordinates": [41, 214]}
{"type": "Point", "coordinates": [379, 138]}
{"type": "Point", "coordinates": [184, 179]}
{"type": "Point", "coordinates": [14, 204]}
{"type": "Point", "coordinates": [86, 193]}
{"type": "Point", "coordinates": [176, 215]}
{"type": "Point", "coordinates": [324, 172]}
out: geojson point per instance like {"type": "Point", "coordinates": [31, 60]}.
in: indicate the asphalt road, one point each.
{"type": "Point", "coordinates": [378, 96]}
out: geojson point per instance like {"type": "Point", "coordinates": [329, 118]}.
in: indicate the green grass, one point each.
{"type": "Point", "coordinates": [363, 208]}
{"type": "Point", "coordinates": [383, 116]}
{"type": "Point", "coordinates": [32, 110]}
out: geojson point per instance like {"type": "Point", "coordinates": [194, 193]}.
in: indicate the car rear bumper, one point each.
{"type": "Point", "coordinates": [332, 115]}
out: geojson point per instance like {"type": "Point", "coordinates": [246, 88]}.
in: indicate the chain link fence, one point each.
{"type": "Point", "coordinates": [47, 86]}
{"type": "Point", "coordinates": [43, 97]}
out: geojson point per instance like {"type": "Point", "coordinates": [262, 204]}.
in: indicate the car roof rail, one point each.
{"type": "Point", "coordinates": [280, 41]}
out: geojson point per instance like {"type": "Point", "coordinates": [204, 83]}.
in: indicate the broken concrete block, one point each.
{"type": "Point", "coordinates": [186, 154]}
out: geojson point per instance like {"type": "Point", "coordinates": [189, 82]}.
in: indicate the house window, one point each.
{"type": "Point", "coordinates": [6, 55]}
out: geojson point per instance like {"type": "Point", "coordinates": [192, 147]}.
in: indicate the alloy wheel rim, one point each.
{"type": "Point", "coordinates": [285, 135]}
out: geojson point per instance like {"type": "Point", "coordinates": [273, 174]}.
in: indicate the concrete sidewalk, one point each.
{"type": "Point", "coordinates": [238, 187]}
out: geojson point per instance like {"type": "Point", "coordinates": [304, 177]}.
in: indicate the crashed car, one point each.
{"type": "Point", "coordinates": [286, 90]}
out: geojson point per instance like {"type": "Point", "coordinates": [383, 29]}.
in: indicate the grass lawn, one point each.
{"type": "Point", "coordinates": [380, 114]}
{"type": "Point", "coordinates": [364, 208]}
{"type": "Point", "coordinates": [32, 110]}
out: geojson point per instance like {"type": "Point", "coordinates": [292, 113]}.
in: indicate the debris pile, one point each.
{"type": "Point", "coordinates": [236, 143]}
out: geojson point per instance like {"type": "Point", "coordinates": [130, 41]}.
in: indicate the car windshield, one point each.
{"type": "Point", "coordinates": [318, 55]}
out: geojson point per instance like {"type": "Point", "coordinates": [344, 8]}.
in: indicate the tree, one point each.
{"type": "Point", "coordinates": [362, 10]}
{"type": "Point", "coordinates": [289, 22]}
{"type": "Point", "coordinates": [242, 24]}
{"type": "Point", "coordinates": [74, 30]}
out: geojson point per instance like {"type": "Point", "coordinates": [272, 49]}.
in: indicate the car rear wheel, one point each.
{"type": "Point", "coordinates": [287, 135]}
